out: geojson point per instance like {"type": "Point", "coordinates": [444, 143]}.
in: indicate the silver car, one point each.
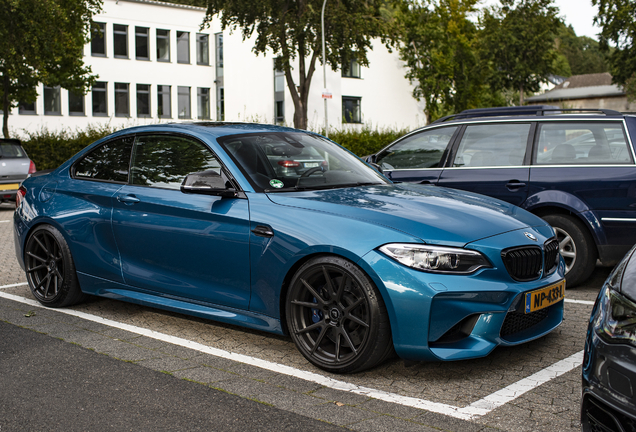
{"type": "Point", "coordinates": [15, 166]}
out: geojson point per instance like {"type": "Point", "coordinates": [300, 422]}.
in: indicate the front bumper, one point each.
{"type": "Point", "coordinates": [451, 317]}
{"type": "Point", "coordinates": [609, 385]}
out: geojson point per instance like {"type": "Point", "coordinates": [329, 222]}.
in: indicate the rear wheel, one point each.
{"type": "Point", "coordinates": [50, 269]}
{"type": "Point", "coordinates": [336, 316]}
{"type": "Point", "coordinates": [576, 246]}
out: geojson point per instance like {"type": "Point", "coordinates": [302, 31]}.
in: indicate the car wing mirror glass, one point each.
{"type": "Point", "coordinates": [209, 182]}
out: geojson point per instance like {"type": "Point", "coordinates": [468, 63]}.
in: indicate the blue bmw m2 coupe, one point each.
{"type": "Point", "coordinates": [210, 219]}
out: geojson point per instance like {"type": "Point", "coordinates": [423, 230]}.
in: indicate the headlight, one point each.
{"type": "Point", "coordinates": [617, 317]}
{"type": "Point", "coordinates": [436, 259]}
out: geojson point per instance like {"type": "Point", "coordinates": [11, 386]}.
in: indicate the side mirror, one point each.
{"type": "Point", "coordinates": [371, 159]}
{"type": "Point", "coordinates": [377, 167]}
{"type": "Point", "coordinates": [208, 182]}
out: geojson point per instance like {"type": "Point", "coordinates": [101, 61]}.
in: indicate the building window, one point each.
{"type": "Point", "coordinates": [219, 52]}
{"type": "Point", "coordinates": [142, 48]}
{"type": "Point", "coordinates": [52, 102]}
{"type": "Point", "coordinates": [352, 69]}
{"type": "Point", "coordinates": [351, 110]}
{"type": "Point", "coordinates": [220, 104]}
{"type": "Point", "coordinates": [183, 100]}
{"type": "Point", "coordinates": [163, 101]}
{"type": "Point", "coordinates": [27, 108]}
{"type": "Point", "coordinates": [120, 40]}
{"type": "Point", "coordinates": [75, 103]}
{"type": "Point", "coordinates": [203, 103]}
{"type": "Point", "coordinates": [203, 49]}
{"type": "Point", "coordinates": [183, 47]}
{"type": "Point", "coordinates": [143, 100]}
{"type": "Point", "coordinates": [98, 39]}
{"type": "Point", "coordinates": [163, 45]}
{"type": "Point", "coordinates": [122, 100]}
{"type": "Point", "coordinates": [100, 100]}
{"type": "Point", "coordinates": [279, 97]}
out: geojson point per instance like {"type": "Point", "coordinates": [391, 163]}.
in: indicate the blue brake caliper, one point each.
{"type": "Point", "coordinates": [316, 314]}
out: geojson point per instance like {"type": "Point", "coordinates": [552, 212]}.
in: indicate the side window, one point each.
{"type": "Point", "coordinates": [582, 144]}
{"type": "Point", "coordinates": [108, 162]}
{"type": "Point", "coordinates": [163, 161]}
{"type": "Point", "coordinates": [422, 150]}
{"type": "Point", "coordinates": [493, 144]}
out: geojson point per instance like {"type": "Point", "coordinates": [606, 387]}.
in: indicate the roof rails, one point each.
{"type": "Point", "coordinates": [529, 110]}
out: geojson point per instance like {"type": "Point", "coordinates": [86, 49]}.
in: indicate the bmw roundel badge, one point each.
{"type": "Point", "coordinates": [530, 236]}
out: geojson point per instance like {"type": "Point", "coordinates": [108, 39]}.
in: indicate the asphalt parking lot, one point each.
{"type": "Point", "coordinates": [533, 387]}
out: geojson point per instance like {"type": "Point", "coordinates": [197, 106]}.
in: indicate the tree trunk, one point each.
{"type": "Point", "coordinates": [5, 105]}
{"type": "Point", "coordinates": [521, 94]}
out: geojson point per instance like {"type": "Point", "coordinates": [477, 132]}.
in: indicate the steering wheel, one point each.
{"type": "Point", "coordinates": [310, 171]}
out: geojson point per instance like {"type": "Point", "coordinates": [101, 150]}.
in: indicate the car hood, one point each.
{"type": "Point", "coordinates": [434, 214]}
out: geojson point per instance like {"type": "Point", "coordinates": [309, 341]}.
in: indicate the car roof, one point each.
{"type": "Point", "coordinates": [529, 112]}
{"type": "Point", "coordinates": [213, 129]}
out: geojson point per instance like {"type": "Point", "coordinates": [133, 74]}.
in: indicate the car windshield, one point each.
{"type": "Point", "coordinates": [290, 161]}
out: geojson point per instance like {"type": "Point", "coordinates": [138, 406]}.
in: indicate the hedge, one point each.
{"type": "Point", "coordinates": [49, 149]}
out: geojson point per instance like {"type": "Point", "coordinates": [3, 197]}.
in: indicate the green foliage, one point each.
{"type": "Point", "coordinates": [49, 149]}
{"type": "Point", "coordinates": [42, 41]}
{"type": "Point", "coordinates": [439, 45]}
{"type": "Point", "coordinates": [291, 31]}
{"type": "Point", "coordinates": [364, 141]}
{"type": "Point", "coordinates": [617, 19]}
{"type": "Point", "coordinates": [518, 40]}
{"type": "Point", "coordinates": [583, 54]}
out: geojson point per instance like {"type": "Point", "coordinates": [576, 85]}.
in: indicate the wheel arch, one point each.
{"type": "Point", "coordinates": [300, 262]}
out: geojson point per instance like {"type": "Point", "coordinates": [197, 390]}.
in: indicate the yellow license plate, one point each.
{"type": "Point", "coordinates": [10, 186]}
{"type": "Point", "coordinates": [544, 297]}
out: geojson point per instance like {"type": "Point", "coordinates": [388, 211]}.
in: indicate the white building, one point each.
{"type": "Point", "coordinates": [156, 64]}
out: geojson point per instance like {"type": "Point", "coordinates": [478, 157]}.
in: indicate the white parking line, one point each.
{"type": "Point", "coordinates": [13, 285]}
{"type": "Point", "coordinates": [471, 412]}
{"type": "Point", "coordinates": [585, 302]}
{"type": "Point", "coordinates": [1, 221]}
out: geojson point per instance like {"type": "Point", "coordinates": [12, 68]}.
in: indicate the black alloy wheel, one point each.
{"type": "Point", "coordinates": [336, 316]}
{"type": "Point", "coordinates": [50, 269]}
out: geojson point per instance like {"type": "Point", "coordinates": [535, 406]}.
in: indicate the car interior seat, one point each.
{"type": "Point", "coordinates": [563, 153]}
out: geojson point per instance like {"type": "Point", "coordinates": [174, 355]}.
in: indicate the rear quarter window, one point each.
{"type": "Point", "coordinates": [588, 143]}
{"type": "Point", "coordinates": [109, 162]}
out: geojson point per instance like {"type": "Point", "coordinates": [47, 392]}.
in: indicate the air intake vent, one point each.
{"type": "Point", "coordinates": [523, 263]}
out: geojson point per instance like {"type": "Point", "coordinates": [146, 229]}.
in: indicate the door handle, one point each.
{"type": "Point", "coordinates": [514, 184]}
{"type": "Point", "coordinates": [263, 231]}
{"type": "Point", "coordinates": [128, 199]}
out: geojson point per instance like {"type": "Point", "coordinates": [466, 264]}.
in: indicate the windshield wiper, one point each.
{"type": "Point", "coordinates": [322, 187]}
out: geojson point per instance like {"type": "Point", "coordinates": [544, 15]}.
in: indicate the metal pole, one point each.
{"type": "Point", "coordinates": [324, 65]}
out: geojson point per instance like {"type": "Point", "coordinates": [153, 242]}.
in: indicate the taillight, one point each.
{"type": "Point", "coordinates": [32, 168]}
{"type": "Point", "coordinates": [19, 196]}
{"type": "Point", "coordinates": [289, 164]}
{"type": "Point", "coordinates": [325, 163]}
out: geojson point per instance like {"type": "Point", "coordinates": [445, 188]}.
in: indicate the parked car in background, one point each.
{"type": "Point", "coordinates": [609, 361]}
{"type": "Point", "coordinates": [198, 219]}
{"type": "Point", "coordinates": [15, 166]}
{"type": "Point", "coordinates": [573, 168]}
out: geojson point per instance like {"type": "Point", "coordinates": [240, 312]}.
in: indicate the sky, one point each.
{"type": "Point", "coordinates": [578, 13]}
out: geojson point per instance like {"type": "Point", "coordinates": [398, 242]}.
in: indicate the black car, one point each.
{"type": "Point", "coordinates": [15, 166]}
{"type": "Point", "coordinates": [574, 168]}
{"type": "Point", "coordinates": [609, 362]}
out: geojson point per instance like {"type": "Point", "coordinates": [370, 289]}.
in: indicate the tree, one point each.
{"type": "Point", "coordinates": [291, 30]}
{"type": "Point", "coordinates": [583, 54]}
{"type": "Point", "coordinates": [617, 19]}
{"type": "Point", "coordinates": [42, 41]}
{"type": "Point", "coordinates": [518, 38]}
{"type": "Point", "coordinates": [439, 46]}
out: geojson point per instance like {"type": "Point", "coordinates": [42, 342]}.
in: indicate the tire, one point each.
{"type": "Point", "coordinates": [576, 246]}
{"type": "Point", "coordinates": [336, 316]}
{"type": "Point", "coordinates": [50, 269]}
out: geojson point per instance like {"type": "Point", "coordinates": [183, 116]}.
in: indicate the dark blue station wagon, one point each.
{"type": "Point", "coordinates": [574, 168]}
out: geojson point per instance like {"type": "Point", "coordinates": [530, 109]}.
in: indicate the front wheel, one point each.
{"type": "Point", "coordinates": [576, 246]}
{"type": "Point", "coordinates": [50, 269]}
{"type": "Point", "coordinates": [336, 316]}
